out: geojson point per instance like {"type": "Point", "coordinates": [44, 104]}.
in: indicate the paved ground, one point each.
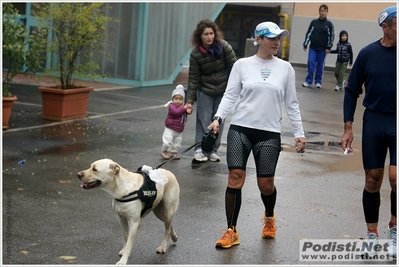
{"type": "Point", "coordinates": [49, 219]}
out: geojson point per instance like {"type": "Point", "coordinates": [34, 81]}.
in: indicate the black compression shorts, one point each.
{"type": "Point", "coordinates": [265, 146]}
{"type": "Point", "coordinates": [378, 136]}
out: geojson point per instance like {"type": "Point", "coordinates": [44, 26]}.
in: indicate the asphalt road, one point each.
{"type": "Point", "coordinates": [49, 220]}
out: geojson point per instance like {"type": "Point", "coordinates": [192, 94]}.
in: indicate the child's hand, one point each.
{"type": "Point", "coordinates": [188, 108]}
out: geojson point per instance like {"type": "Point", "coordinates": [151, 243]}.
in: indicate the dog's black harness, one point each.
{"type": "Point", "coordinates": [147, 193]}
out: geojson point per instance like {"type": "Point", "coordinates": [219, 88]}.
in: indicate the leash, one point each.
{"type": "Point", "coordinates": [149, 193]}
{"type": "Point", "coordinates": [181, 153]}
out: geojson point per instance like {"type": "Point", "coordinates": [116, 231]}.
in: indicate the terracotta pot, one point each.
{"type": "Point", "coordinates": [62, 105]}
{"type": "Point", "coordinates": [7, 105]}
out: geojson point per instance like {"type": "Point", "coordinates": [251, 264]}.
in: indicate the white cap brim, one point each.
{"type": "Point", "coordinates": [275, 34]}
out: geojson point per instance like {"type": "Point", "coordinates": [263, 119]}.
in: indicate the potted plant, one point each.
{"type": "Point", "coordinates": [16, 55]}
{"type": "Point", "coordinates": [77, 35]}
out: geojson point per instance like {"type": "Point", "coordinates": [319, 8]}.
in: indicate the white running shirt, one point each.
{"type": "Point", "coordinates": [262, 86]}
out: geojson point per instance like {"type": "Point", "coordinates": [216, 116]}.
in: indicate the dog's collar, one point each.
{"type": "Point", "coordinates": [131, 197]}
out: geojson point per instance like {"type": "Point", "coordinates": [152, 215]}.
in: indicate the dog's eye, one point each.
{"type": "Point", "coordinates": [94, 169]}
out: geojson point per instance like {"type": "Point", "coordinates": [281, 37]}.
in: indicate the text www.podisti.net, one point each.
{"type": "Point", "coordinates": [346, 250]}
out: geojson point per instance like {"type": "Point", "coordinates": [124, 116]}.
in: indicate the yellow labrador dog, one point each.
{"type": "Point", "coordinates": [127, 191]}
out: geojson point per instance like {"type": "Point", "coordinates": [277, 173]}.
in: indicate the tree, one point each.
{"type": "Point", "coordinates": [78, 34]}
{"type": "Point", "coordinates": [17, 58]}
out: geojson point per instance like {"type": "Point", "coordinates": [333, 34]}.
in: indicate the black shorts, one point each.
{"type": "Point", "coordinates": [265, 147]}
{"type": "Point", "coordinates": [378, 135]}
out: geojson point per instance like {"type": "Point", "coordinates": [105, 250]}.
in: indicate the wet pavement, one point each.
{"type": "Point", "coordinates": [49, 219]}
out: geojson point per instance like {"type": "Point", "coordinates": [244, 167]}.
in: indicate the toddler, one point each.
{"type": "Point", "coordinates": [345, 55]}
{"type": "Point", "coordinates": [174, 123]}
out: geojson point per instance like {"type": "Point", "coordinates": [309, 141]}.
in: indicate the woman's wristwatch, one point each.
{"type": "Point", "coordinates": [217, 118]}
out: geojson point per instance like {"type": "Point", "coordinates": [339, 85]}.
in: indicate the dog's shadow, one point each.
{"type": "Point", "coordinates": [172, 247]}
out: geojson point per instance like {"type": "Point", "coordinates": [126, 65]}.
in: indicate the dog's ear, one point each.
{"type": "Point", "coordinates": [115, 168]}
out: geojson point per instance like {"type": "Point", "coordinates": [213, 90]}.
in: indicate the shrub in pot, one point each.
{"type": "Point", "coordinates": [77, 35]}
{"type": "Point", "coordinates": [21, 54]}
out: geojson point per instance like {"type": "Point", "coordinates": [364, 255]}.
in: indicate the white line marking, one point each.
{"type": "Point", "coordinates": [89, 117]}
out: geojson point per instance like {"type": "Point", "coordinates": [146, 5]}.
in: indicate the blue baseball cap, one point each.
{"type": "Point", "coordinates": [386, 14]}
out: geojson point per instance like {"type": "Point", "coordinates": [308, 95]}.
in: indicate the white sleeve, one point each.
{"type": "Point", "coordinates": [232, 92]}
{"type": "Point", "coordinates": [292, 106]}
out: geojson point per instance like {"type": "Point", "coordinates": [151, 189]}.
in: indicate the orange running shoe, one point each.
{"type": "Point", "coordinates": [269, 226]}
{"type": "Point", "coordinates": [229, 239]}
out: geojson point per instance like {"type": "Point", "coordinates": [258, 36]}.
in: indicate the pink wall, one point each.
{"type": "Point", "coordinates": [343, 10]}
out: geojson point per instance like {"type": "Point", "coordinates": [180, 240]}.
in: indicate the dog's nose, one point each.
{"type": "Point", "coordinates": [80, 175]}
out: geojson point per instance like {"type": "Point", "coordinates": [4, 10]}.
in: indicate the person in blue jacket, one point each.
{"type": "Point", "coordinates": [344, 57]}
{"type": "Point", "coordinates": [320, 35]}
{"type": "Point", "coordinates": [375, 70]}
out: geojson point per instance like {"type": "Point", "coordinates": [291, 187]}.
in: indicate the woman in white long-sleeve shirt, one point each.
{"type": "Point", "coordinates": [262, 83]}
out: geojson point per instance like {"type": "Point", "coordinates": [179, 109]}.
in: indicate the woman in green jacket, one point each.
{"type": "Point", "coordinates": [211, 61]}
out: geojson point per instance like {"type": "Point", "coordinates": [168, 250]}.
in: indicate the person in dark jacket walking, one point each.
{"type": "Point", "coordinates": [174, 123]}
{"type": "Point", "coordinates": [320, 34]}
{"type": "Point", "coordinates": [211, 61]}
{"type": "Point", "coordinates": [345, 56]}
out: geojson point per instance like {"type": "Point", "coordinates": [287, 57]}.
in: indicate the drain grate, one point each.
{"type": "Point", "coordinates": [338, 144]}
{"type": "Point", "coordinates": [321, 143]}
{"type": "Point", "coordinates": [312, 134]}
{"type": "Point", "coordinates": [324, 146]}
{"type": "Point", "coordinates": [316, 146]}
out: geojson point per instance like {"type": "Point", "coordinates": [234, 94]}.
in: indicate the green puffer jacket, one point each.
{"type": "Point", "coordinates": [208, 75]}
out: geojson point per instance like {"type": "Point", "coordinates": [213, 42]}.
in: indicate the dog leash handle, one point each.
{"type": "Point", "coordinates": [181, 153]}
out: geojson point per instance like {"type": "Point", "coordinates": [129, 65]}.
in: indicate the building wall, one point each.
{"type": "Point", "coordinates": [152, 40]}
{"type": "Point", "coordinates": [358, 19]}
{"type": "Point", "coordinates": [238, 21]}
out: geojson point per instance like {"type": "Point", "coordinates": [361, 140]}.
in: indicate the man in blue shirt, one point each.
{"type": "Point", "coordinates": [375, 69]}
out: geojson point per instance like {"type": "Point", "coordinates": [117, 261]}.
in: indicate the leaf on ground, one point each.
{"type": "Point", "coordinates": [64, 181]}
{"type": "Point", "coordinates": [67, 257]}
{"type": "Point", "coordinates": [24, 252]}
{"type": "Point", "coordinates": [20, 189]}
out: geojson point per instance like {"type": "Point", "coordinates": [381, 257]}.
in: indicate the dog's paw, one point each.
{"type": "Point", "coordinates": [174, 238]}
{"type": "Point", "coordinates": [161, 250]}
{"type": "Point", "coordinates": [121, 262]}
